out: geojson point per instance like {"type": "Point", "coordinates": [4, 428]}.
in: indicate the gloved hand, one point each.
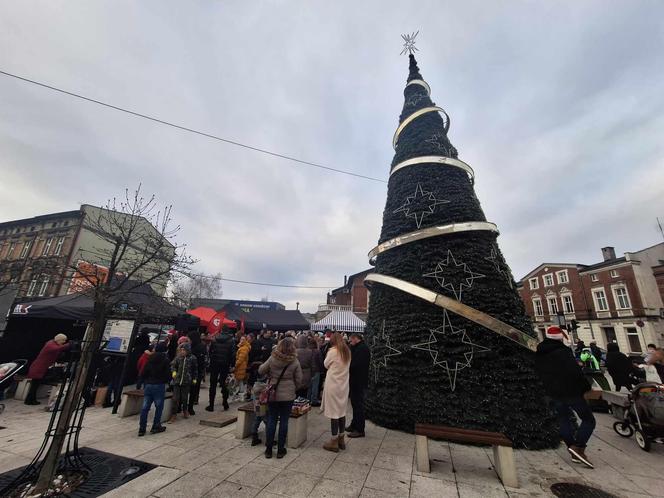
{"type": "Point", "coordinates": [195, 381]}
{"type": "Point", "coordinates": [174, 374]}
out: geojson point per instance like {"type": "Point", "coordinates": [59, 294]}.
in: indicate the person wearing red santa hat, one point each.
{"type": "Point", "coordinates": [564, 382]}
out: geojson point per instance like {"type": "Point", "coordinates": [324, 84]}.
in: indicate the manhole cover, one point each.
{"type": "Point", "coordinates": [573, 490]}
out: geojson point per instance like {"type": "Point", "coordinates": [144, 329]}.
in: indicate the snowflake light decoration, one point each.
{"type": "Point", "coordinates": [413, 100]}
{"type": "Point", "coordinates": [422, 203]}
{"type": "Point", "coordinates": [409, 43]}
{"type": "Point", "coordinates": [493, 258]}
{"type": "Point", "coordinates": [454, 361]}
{"type": "Point", "coordinates": [451, 282]}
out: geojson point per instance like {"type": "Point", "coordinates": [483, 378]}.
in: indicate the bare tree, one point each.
{"type": "Point", "coordinates": [136, 246]}
{"type": "Point", "coordinates": [195, 286]}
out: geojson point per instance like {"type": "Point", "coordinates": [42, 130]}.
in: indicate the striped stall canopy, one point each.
{"type": "Point", "coordinates": [341, 321]}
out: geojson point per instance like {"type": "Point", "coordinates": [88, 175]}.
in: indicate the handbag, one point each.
{"type": "Point", "coordinates": [269, 395]}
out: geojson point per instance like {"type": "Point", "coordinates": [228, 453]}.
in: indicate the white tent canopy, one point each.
{"type": "Point", "coordinates": [341, 321]}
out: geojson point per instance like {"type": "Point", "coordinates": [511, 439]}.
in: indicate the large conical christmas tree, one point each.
{"type": "Point", "coordinates": [450, 339]}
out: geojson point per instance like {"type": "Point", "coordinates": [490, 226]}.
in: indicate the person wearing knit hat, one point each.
{"type": "Point", "coordinates": [565, 383]}
{"type": "Point", "coordinates": [156, 374]}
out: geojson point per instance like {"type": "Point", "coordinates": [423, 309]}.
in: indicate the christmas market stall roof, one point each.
{"type": "Point", "coordinates": [81, 306]}
{"type": "Point", "coordinates": [341, 321]}
{"type": "Point", "coordinates": [277, 320]}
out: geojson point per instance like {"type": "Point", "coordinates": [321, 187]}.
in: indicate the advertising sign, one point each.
{"type": "Point", "coordinates": [118, 333]}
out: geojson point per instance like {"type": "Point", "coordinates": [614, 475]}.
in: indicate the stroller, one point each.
{"type": "Point", "coordinates": [640, 413]}
{"type": "Point", "coordinates": [7, 373]}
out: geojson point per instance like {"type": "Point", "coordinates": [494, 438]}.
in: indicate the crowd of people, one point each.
{"type": "Point", "coordinates": [270, 370]}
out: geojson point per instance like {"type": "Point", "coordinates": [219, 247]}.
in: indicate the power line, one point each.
{"type": "Point", "coordinates": [269, 284]}
{"type": "Point", "coordinates": [190, 130]}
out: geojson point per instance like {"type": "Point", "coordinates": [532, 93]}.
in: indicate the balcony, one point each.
{"type": "Point", "coordinates": [333, 307]}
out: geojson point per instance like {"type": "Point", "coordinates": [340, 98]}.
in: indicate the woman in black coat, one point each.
{"type": "Point", "coordinates": [620, 367]}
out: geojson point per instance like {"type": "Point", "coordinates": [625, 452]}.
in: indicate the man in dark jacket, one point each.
{"type": "Point", "coordinates": [156, 374]}
{"type": "Point", "coordinates": [199, 350]}
{"type": "Point", "coordinates": [265, 345]}
{"type": "Point", "coordinates": [359, 381]}
{"type": "Point", "coordinates": [222, 360]}
{"type": "Point", "coordinates": [565, 383]}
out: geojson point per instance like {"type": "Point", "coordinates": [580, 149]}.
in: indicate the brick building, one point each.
{"type": "Point", "coordinates": [353, 295]}
{"type": "Point", "coordinates": [619, 299]}
{"type": "Point", "coordinates": [39, 255]}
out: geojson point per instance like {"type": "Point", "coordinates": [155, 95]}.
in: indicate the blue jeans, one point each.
{"type": "Point", "coordinates": [566, 409]}
{"type": "Point", "coordinates": [152, 393]}
{"type": "Point", "coordinates": [256, 426]}
{"type": "Point", "coordinates": [312, 395]}
{"type": "Point", "coordinates": [277, 410]}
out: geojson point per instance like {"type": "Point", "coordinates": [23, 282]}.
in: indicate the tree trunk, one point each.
{"type": "Point", "coordinates": [91, 341]}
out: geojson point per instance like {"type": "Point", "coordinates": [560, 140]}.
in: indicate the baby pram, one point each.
{"type": "Point", "coordinates": [640, 413]}
{"type": "Point", "coordinates": [7, 372]}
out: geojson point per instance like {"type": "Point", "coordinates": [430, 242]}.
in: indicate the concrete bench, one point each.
{"type": "Point", "coordinates": [132, 402]}
{"type": "Point", "coordinates": [297, 425]}
{"type": "Point", "coordinates": [503, 454]}
{"type": "Point", "coordinates": [23, 387]}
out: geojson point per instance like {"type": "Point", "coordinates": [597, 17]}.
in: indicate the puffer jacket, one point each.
{"type": "Point", "coordinates": [222, 351]}
{"type": "Point", "coordinates": [560, 373]}
{"type": "Point", "coordinates": [242, 361]}
{"type": "Point", "coordinates": [185, 369]}
{"type": "Point", "coordinates": [290, 381]}
{"type": "Point", "coordinates": [307, 361]}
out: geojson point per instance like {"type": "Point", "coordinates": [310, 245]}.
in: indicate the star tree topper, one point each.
{"type": "Point", "coordinates": [451, 361]}
{"type": "Point", "coordinates": [409, 43]}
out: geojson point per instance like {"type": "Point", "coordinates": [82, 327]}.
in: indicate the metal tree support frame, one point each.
{"type": "Point", "coordinates": [71, 461]}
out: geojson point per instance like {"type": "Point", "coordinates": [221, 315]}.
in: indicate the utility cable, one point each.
{"type": "Point", "coordinates": [191, 130]}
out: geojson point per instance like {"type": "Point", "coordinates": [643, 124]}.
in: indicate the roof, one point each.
{"type": "Point", "coordinates": [40, 218]}
{"type": "Point", "coordinates": [342, 321]}
{"type": "Point", "coordinates": [557, 265]}
{"type": "Point", "coordinates": [349, 282]}
{"type": "Point", "coordinates": [278, 320]}
{"type": "Point", "coordinates": [610, 262]}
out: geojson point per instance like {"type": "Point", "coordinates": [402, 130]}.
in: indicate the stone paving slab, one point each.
{"type": "Point", "coordinates": [199, 461]}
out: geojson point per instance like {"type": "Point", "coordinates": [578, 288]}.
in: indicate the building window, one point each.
{"type": "Point", "coordinates": [537, 306]}
{"type": "Point", "coordinates": [600, 300]}
{"type": "Point", "coordinates": [44, 286]}
{"type": "Point", "coordinates": [553, 305]}
{"type": "Point", "coordinates": [31, 287]}
{"type": "Point", "coordinates": [548, 280]}
{"type": "Point", "coordinates": [633, 340]}
{"type": "Point", "coordinates": [622, 299]}
{"type": "Point", "coordinates": [47, 246]}
{"type": "Point", "coordinates": [26, 249]}
{"type": "Point", "coordinates": [10, 251]}
{"type": "Point", "coordinates": [58, 246]}
{"type": "Point", "coordinates": [568, 304]}
{"type": "Point", "coordinates": [614, 274]}
{"type": "Point", "coordinates": [593, 277]}
{"type": "Point", "coordinates": [563, 278]}
{"type": "Point", "coordinates": [534, 283]}
{"type": "Point", "coordinates": [610, 334]}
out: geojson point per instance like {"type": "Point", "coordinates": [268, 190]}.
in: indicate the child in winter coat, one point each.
{"type": "Point", "coordinates": [259, 410]}
{"type": "Point", "coordinates": [184, 372]}
{"type": "Point", "coordinates": [241, 364]}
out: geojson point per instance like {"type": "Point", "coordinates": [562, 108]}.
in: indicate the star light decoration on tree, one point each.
{"type": "Point", "coordinates": [422, 203]}
{"type": "Point", "coordinates": [413, 100]}
{"type": "Point", "coordinates": [409, 43]}
{"type": "Point", "coordinates": [454, 357]}
{"type": "Point", "coordinates": [493, 258]}
{"type": "Point", "coordinates": [453, 276]}
{"type": "Point", "coordinates": [381, 351]}
{"type": "Point", "coordinates": [439, 140]}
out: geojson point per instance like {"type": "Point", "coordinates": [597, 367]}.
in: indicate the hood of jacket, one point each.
{"type": "Point", "coordinates": [548, 346]}
{"type": "Point", "coordinates": [223, 338]}
{"type": "Point", "coordinates": [280, 359]}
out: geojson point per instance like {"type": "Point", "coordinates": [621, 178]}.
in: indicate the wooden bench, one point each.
{"type": "Point", "coordinates": [132, 403]}
{"type": "Point", "coordinates": [503, 454]}
{"type": "Point", "coordinates": [297, 425]}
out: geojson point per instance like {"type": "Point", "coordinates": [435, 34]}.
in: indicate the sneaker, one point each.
{"type": "Point", "coordinates": [281, 453]}
{"type": "Point", "coordinates": [354, 434]}
{"type": "Point", "coordinates": [268, 452]}
{"type": "Point", "coordinates": [141, 432]}
{"type": "Point", "coordinates": [157, 430]}
{"type": "Point", "coordinates": [209, 408]}
{"type": "Point", "coordinates": [580, 454]}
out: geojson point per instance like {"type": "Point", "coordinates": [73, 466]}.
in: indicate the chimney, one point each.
{"type": "Point", "coordinates": [608, 253]}
{"type": "Point", "coordinates": [345, 280]}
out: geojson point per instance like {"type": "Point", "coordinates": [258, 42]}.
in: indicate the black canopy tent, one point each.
{"type": "Point", "coordinates": [277, 320]}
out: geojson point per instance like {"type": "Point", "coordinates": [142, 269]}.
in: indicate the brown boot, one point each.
{"type": "Point", "coordinates": [341, 442]}
{"type": "Point", "coordinates": [332, 445]}
{"type": "Point", "coordinates": [172, 419]}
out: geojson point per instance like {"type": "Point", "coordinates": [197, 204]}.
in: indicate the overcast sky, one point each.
{"type": "Point", "coordinates": [558, 106]}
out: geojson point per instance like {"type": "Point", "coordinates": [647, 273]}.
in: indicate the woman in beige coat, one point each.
{"type": "Point", "coordinates": [335, 391]}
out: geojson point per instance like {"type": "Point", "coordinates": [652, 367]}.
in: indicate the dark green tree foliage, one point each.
{"type": "Point", "coordinates": [424, 367]}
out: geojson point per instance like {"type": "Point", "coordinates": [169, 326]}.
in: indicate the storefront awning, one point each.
{"type": "Point", "coordinates": [341, 321]}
